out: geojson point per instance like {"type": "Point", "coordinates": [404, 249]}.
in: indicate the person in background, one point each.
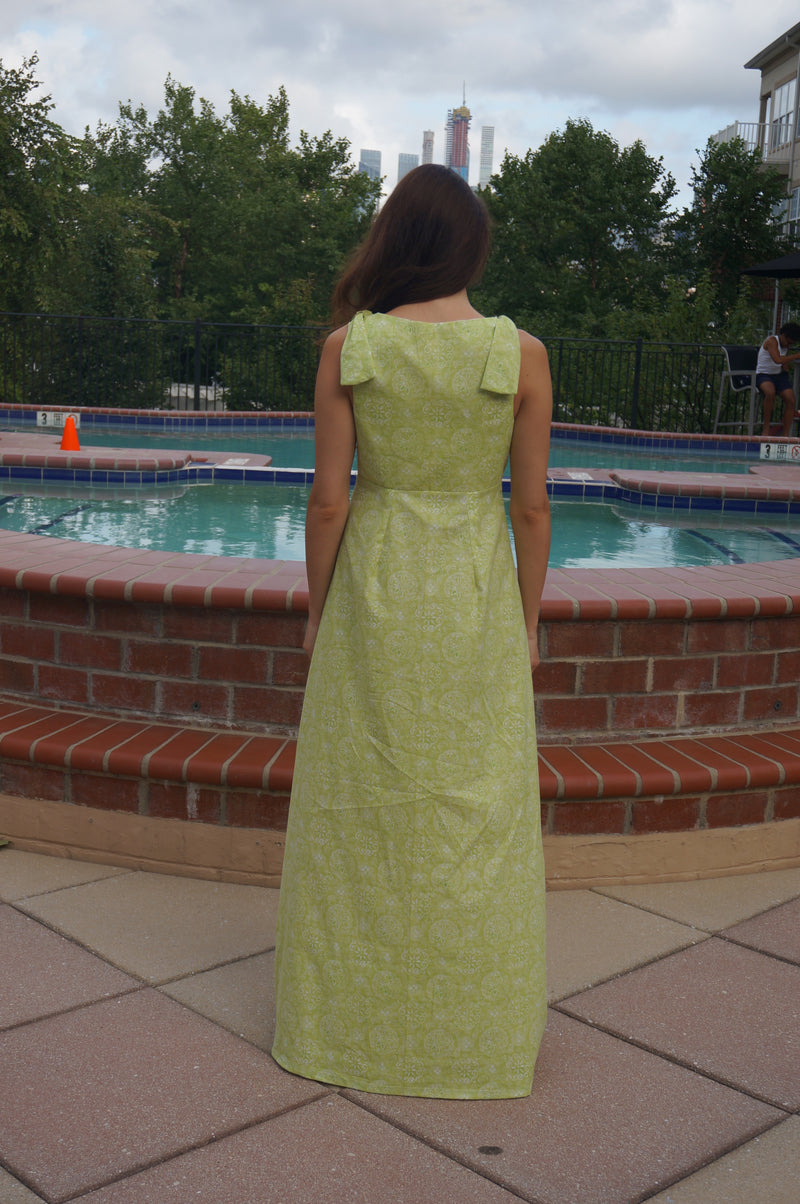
{"type": "Point", "coordinates": [772, 376]}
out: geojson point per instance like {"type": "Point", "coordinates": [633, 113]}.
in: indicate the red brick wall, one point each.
{"type": "Point", "coordinates": [221, 668]}
{"type": "Point", "coordinates": [599, 680]}
{"type": "Point", "coordinates": [623, 678]}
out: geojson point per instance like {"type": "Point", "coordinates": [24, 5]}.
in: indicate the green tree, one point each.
{"type": "Point", "coordinates": [106, 265]}
{"type": "Point", "coordinates": [249, 228]}
{"type": "Point", "coordinates": [39, 179]}
{"type": "Point", "coordinates": [581, 229]}
{"type": "Point", "coordinates": [733, 221]}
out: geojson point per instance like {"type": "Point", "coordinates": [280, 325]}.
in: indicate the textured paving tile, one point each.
{"type": "Point", "coordinates": [726, 1010]}
{"type": "Point", "coordinates": [240, 997]}
{"type": "Point", "coordinates": [13, 1192]}
{"type": "Point", "coordinates": [328, 1152]}
{"type": "Point", "coordinates": [712, 903]}
{"type": "Point", "coordinates": [764, 1171]}
{"type": "Point", "coordinates": [23, 874]}
{"type": "Point", "coordinates": [162, 927]}
{"type": "Point", "coordinates": [606, 1122]}
{"type": "Point", "coordinates": [776, 932]}
{"type": "Point", "coordinates": [591, 938]}
{"type": "Point", "coordinates": [45, 973]}
{"type": "Point", "coordinates": [114, 1087]}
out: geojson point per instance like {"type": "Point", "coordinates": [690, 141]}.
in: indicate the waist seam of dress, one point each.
{"type": "Point", "coordinates": [361, 479]}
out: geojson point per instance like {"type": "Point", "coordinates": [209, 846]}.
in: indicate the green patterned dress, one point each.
{"type": "Point", "coordinates": [410, 950]}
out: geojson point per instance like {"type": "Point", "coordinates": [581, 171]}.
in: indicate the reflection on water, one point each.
{"type": "Point", "coordinates": [228, 519]}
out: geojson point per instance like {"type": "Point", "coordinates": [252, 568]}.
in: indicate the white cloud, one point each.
{"type": "Point", "coordinates": [667, 71]}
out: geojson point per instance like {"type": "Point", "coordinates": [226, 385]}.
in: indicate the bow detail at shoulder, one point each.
{"type": "Point", "coordinates": [356, 358]}
{"type": "Point", "coordinates": [501, 374]}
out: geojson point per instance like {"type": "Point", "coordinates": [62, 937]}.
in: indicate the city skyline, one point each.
{"type": "Point", "coordinates": [637, 75]}
{"type": "Point", "coordinates": [456, 153]}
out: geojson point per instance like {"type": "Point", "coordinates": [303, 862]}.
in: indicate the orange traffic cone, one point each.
{"type": "Point", "coordinates": [69, 441]}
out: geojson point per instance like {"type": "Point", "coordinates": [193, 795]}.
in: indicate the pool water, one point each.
{"type": "Point", "coordinates": [232, 519]}
{"type": "Point", "coordinates": [292, 449]}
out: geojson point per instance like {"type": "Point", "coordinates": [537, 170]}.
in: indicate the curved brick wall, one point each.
{"type": "Point", "coordinates": [156, 688]}
{"type": "Point", "coordinates": [207, 641]}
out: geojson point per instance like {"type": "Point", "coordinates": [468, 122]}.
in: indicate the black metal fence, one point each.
{"type": "Point", "coordinates": [640, 385]}
{"type": "Point", "coordinates": [69, 360]}
{"type": "Point", "coordinates": [48, 359]}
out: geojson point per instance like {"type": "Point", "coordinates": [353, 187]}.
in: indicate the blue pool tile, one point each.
{"type": "Point", "coordinates": [30, 474]}
{"type": "Point", "coordinates": [767, 507]}
{"type": "Point", "coordinates": [291, 476]}
{"type": "Point", "coordinates": [705, 503]}
{"type": "Point", "coordinates": [71, 475]}
{"type": "Point", "coordinates": [740, 505]}
{"type": "Point", "coordinates": [229, 474]}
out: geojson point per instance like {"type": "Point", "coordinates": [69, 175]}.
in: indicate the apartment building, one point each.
{"type": "Point", "coordinates": [777, 131]}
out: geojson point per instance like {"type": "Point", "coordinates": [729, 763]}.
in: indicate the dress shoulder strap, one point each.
{"type": "Point", "coordinates": [501, 373]}
{"type": "Point", "coordinates": [356, 357]}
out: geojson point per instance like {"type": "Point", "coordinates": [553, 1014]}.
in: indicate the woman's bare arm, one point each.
{"type": "Point", "coordinates": [530, 507]}
{"type": "Point", "coordinates": [772, 345]}
{"type": "Point", "coordinates": [329, 502]}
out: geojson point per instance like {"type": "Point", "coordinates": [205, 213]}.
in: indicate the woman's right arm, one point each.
{"type": "Point", "coordinates": [329, 500]}
{"type": "Point", "coordinates": [772, 345]}
{"type": "Point", "coordinates": [530, 507]}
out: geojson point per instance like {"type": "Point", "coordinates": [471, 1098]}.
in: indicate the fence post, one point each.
{"type": "Point", "coordinates": [637, 373]}
{"type": "Point", "coordinates": [557, 391]}
{"type": "Point", "coordinates": [197, 352]}
{"type": "Point", "coordinates": [79, 400]}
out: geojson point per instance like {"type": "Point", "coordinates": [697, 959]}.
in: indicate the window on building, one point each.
{"type": "Point", "coordinates": [793, 216]}
{"type": "Point", "coordinates": [781, 118]}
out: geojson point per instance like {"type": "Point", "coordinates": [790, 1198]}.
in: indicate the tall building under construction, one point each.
{"type": "Point", "coordinates": [456, 148]}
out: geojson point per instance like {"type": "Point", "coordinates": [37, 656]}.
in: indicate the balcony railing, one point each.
{"type": "Point", "coordinates": [773, 139]}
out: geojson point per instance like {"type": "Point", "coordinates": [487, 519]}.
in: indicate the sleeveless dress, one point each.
{"type": "Point", "coordinates": [410, 947]}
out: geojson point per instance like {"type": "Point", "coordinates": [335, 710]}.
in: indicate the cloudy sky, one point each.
{"type": "Point", "coordinates": [378, 72]}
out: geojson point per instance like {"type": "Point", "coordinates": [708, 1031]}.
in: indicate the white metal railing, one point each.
{"type": "Point", "coordinates": [772, 139]}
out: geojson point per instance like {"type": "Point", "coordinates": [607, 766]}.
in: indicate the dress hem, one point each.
{"type": "Point", "coordinates": [334, 1079]}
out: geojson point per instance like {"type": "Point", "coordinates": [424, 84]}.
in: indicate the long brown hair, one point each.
{"type": "Point", "coordinates": [430, 239]}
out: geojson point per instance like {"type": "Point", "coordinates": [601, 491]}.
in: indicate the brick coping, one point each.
{"type": "Point", "coordinates": [67, 567]}
{"type": "Point", "coordinates": [91, 743]}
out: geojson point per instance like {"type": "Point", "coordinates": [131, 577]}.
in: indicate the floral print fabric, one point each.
{"type": "Point", "coordinates": [410, 955]}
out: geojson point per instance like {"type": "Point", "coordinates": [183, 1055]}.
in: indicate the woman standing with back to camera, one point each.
{"type": "Point", "coordinates": [410, 951]}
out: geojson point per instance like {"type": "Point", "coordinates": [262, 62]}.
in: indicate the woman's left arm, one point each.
{"type": "Point", "coordinates": [329, 502]}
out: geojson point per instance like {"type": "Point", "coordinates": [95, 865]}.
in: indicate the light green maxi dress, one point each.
{"type": "Point", "coordinates": [410, 949]}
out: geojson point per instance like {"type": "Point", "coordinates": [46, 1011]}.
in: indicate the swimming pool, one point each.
{"type": "Point", "coordinates": [294, 448]}
{"type": "Point", "coordinates": [230, 519]}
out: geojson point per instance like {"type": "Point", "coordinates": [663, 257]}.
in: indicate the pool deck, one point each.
{"type": "Point", "coordinates": [36, 457]}
{"type": "Point", "coordinates": [136, 1025]}
{"type": "Point", "coordinates": [136, 1010]}
{"type": "Point", "coordinates": [33, 456]}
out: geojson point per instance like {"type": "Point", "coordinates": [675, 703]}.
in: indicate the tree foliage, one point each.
{"type": "Point", "coordinates": [246, 227]}
{"type": "Point", "coordinates": [194, 213]}
{"type": "Point", "coordinates": [733, 221]}
{"type": "Point", "coordinates": [580, 227]}
{"type": "Point", "coordinates": [188, 213]}
{"type": "Point", "coordinates": [38, 179]}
